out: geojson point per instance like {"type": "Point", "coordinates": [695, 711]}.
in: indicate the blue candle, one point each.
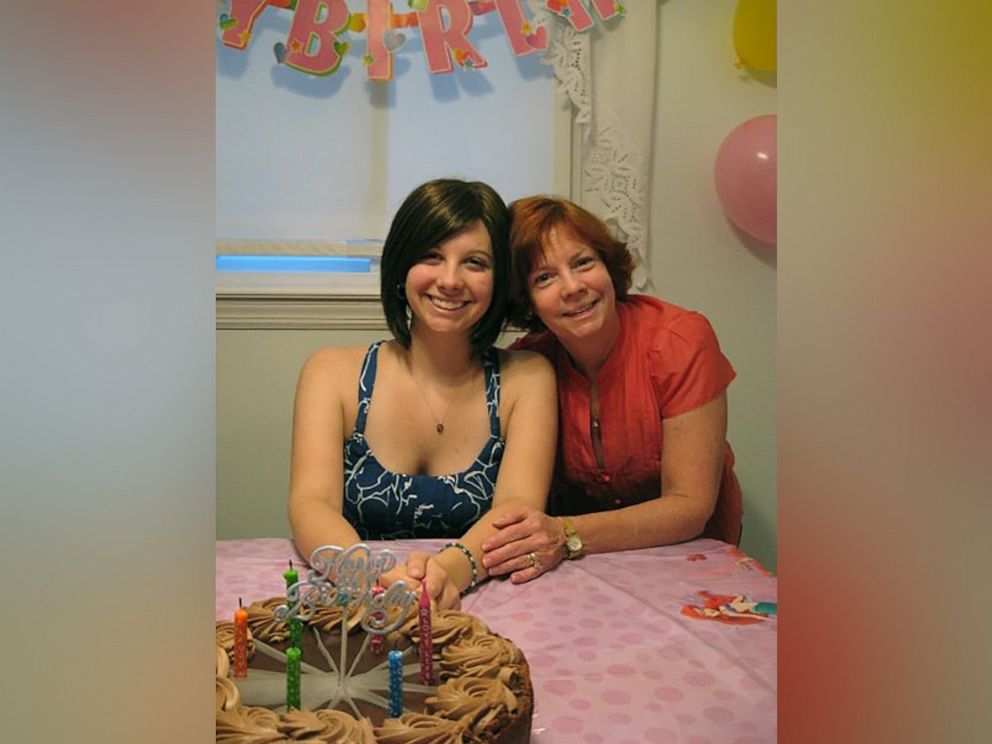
{"type": "Point", "coordinates": [395, 684]}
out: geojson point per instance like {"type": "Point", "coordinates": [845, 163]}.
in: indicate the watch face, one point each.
{"type": "Point", "coordinates": [574, 544]}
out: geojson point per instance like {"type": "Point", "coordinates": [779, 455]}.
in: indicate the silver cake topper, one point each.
{"type": "Point", "coordinates": [345, 577]}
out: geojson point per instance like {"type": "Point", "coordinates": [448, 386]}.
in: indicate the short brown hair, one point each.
{"type": "Point", "coordinates": [533, 218]}
{"type": "Point", "coordinates": [432, 213]}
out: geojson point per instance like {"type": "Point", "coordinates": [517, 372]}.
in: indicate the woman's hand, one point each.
{"type": "Point", "coordinates": [527, 543]}
{"type": "Point", "coordinates": [422, 567]}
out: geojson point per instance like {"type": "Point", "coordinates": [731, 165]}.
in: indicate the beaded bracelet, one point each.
{"type": "Point", "coordinates": [471, 561]}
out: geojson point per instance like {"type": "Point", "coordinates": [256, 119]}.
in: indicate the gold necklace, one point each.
{"type": "Point", "coordinates": [438, 421]}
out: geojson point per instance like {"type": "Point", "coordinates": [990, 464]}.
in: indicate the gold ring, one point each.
{"type": "Point", "coordinates": [534, 560]}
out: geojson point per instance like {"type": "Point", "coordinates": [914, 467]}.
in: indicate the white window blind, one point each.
{"type": "Point", "coordinates": [315, 164]}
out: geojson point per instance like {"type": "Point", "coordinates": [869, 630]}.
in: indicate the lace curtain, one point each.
{"type": "Point", "coordinates": [608, 74]}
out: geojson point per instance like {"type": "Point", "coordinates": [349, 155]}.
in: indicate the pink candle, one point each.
{"type": "Point", "coordinates": [426, 638]}
{"type": "Point", "coordinates": [240, 641]}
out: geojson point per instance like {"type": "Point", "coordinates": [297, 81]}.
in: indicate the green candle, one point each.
{"type": "Point", "coordinates": [295, 625]}
{"type": "Point", "coordinates": [291, 575]}
{"type": "Point", "coordinates": [293, 678]}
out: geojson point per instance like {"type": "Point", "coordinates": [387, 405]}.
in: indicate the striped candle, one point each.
{"type": "Point", "coordinates": [240, 641]}
{"type": "Point", "coordinates": [426, 638]}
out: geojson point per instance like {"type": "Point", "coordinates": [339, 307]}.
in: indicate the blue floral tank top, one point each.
{"type": "Point", "coordinates": [382, 505]}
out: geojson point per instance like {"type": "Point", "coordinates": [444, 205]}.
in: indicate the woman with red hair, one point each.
{"type": "Point", "coordinates": [642, 457]}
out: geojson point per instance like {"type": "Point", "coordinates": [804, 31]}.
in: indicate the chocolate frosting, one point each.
{"type": "Point", "coordinates": [479, 656]}
{"type": "Point", "coordinates": [236, 727]}
{"type": "Point", "coordinates": [446, 626]}
{"type": "Point", "coordinates": [228, 696]}
{"type": "Point", "coordinates": [474, 701]}
{"type": "Point", "coordinates": [326, 725]}
{"type": "Point", "coordinates": [416, 728]}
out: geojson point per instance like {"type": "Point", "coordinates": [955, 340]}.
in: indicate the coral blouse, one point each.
{"type": "Point", "coordinates": [666, 362]}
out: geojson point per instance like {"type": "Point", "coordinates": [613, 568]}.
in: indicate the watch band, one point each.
{"type": "Point", "coordinates": [573, 542]}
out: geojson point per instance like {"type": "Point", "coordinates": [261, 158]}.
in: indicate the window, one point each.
{"type": "Point", "coordinates": [316, 166]}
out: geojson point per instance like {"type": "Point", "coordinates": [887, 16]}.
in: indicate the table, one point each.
{"type": "Point", "coordinates": [615, 656]}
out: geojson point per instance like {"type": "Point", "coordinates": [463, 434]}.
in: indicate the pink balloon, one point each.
{"type": "Point", "coordinates": [745, 177]}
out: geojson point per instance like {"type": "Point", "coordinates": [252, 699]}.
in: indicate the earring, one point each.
{"type": "Point", "coordinates": [401, 292]}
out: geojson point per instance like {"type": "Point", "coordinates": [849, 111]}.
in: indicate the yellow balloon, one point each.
{"type": "Point", "coordinates": [754, 33]}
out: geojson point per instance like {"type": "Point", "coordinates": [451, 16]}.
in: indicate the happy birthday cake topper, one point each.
{"type": "Point", "coordinates": [346, 577]}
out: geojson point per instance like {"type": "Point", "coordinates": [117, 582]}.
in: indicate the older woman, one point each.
{"type": "Point", "coordinates": [434, 433]}
{"type": "Point", "coordinates": [642, 453]}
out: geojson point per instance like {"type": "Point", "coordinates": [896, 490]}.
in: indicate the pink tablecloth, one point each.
{"type": "Point", "coordinates": [614, 657]}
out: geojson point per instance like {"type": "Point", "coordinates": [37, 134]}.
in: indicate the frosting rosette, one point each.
{"type": "Point", "coordinates": [475, 701]}
{"type": "Point", "coordinates": [262, 620]}
{"type": "Point", "coordinates": [228, 696]}
{"type": "Point", "coordinates": [479, 656]}
{"type": "Point", "coordinates": [225, 639]}
{"type": "Point", "coordinates": [416, 728]}
{"type": "Point", "coordinates": [326, 725]}
{"type": "Point", "coordinates": [447, 626]}
{"type": "Point", "coordinates": [339, 726]}
{"type": "Point", "coordinates": [300, 724]}
{"type": "Point", "coordinates": [236, 727]}
{"type": "Point", "coordinates": [223, 665]}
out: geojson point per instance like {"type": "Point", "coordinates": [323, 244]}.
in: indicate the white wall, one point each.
{"type": "Point", "coordinates": [698, 259]}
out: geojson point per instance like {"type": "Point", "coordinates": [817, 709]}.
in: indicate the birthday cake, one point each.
{"type": "Point", "coordinates": [480, 692]}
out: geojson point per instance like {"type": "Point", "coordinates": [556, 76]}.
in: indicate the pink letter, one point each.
{"type": "Point", "coordinates": [438, 38]}
{"type": "Point", "coordinates": [243, 13]}
{"type": "Point", "coordinates": [312, 44]}
{"type": "Point", "coordinates": [524, 38]}
{"type": "Point", "coordinates": [378, 14]}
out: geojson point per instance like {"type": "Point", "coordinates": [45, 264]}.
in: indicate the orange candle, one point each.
{"type": "Point", "coordinates": [240, 641]}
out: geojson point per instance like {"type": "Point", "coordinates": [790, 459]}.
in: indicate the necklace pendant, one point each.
{"type": "Point", "coordinates": [440, 428]}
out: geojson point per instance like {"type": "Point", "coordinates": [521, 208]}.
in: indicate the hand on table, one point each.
{"type": "Point", "coordinates": [527, 544]}
{"type": "Point", "coordinates": [424, 566]}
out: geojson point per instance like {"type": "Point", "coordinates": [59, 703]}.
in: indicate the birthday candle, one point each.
{"type": "Point", "coordinates": [240, 641]}
{"type": "Point", "coordinates": [295, 625]}
{"type": "Point", "coordinates": [426, 638]}
{"type": "Point", "coordinates": [395, 684]}
{"type": "Point", "coordinates": [293, 678]}
{"type": "Point", "coordinates": [378, 616]}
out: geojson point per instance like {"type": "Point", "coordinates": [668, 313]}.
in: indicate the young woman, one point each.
{"type": "Point", "coordinates": [434, 433]}
{"type": "Point", "coordinates": [643, 458]}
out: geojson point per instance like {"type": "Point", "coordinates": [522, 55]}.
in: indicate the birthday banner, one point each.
{"type": "Point", "coordinates": [317, 43]}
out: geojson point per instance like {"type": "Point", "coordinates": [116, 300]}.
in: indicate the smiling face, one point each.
{"type": "Point", "coordinates": [571, 290]}
{"type": "Point", "coordinates": [450, 288]}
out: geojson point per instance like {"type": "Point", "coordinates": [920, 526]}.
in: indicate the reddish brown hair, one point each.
{"type": "Point", "coordinates": [533, 218]}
